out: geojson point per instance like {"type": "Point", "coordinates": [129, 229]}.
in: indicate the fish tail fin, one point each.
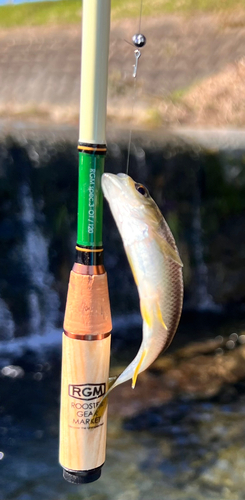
{"type": "Point", "coordinates": [137, 369]}
{"type": "Point", "coordinates": [101, 408]}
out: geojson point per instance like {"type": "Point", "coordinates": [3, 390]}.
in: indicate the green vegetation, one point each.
{"type": "Point", "coordinates": [127, 8]}
{"type": "Point", "coordinates": [34, 14]}
{"type": "Point", "coordinates": [69, 11]}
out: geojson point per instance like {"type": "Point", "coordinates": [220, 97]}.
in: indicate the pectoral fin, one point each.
{"type": "Point", "coordinates": [169, 251]}
{"type": "Point", "coordinates": [136, 372]}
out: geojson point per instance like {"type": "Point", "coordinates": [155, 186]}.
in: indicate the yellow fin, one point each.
{"type": "Point", "coordinates": [98, 414]}
{"type": "Point", "coordinates": [159, 316]}
{"type": "Point", "coordinates": [101, 408]}
{"type": "Point", "coordinates": [132, 268]}
{"type": "Point", "coordinates": [147, 313]}
{"type": "Point", "coordinates": [169, 251]}
{"type": "Point", "coordinates": [136, 371]}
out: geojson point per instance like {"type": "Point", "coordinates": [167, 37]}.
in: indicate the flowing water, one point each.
{"type": "Point", "coordinates": [43, 302]}
{"type": "Point", "coordinates": [185, 444]}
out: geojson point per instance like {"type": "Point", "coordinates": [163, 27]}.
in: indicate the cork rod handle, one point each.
{"type": "Point", "coordinates": [85, 373]}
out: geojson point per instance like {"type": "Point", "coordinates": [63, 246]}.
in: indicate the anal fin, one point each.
{"type": "Point", "coordinates": [147, 313]}
{"type": "Point", "coordinates": [150, 310]}
{"type": "Point", "coordinates": [159, 316]}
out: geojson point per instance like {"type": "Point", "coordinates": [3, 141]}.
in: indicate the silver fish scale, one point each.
{"type": "Point", "coordinates": [175, 300]}
{"type": "Point", "coordinates": [176, 291]}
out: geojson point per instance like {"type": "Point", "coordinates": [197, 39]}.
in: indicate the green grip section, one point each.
{"type": "Point", "coordinates": [90, 200]}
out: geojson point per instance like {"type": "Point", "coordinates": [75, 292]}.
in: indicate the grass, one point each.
{"type": "Point", "coordinates": [153, 118]}
{"type": "Point", "coordinates": [43, 13]}
{"type": "Point", "coordinates": [177, 95]}
{"type": "Point", "coordinates": [69, 11]}
{"type": "Point", "coordinates": [130, 8]}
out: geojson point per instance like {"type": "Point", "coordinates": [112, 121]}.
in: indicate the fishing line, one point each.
{"type": "Point", "coordinates": [139, 41]}
{"type": "Point", "coordinates": [141, 5]}
{"type": "Point", "coordinates": [131, 127]}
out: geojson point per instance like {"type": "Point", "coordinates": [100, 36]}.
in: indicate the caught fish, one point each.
{"type": "Point", "coordinates": [156, 266]}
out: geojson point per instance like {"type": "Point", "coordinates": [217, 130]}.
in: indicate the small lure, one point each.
{"type": "Point", "coordinates": [156, 266]}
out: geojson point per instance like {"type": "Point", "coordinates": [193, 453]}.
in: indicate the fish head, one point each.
{"type": "Point", "coordinates": [127, 197]}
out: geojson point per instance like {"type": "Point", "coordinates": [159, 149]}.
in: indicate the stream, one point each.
{"type": "Point", "coordinates": [180, 433]}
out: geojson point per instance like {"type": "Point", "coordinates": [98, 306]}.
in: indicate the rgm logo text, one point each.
{"type": "Point", "coordinates": [87, 392]}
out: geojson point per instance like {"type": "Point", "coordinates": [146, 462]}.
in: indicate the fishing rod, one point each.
{"type": "Point", "coordinates": [87, 323]}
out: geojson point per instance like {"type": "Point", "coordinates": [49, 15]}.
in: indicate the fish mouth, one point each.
{"type": "Point", "coordinates": [113, 184]}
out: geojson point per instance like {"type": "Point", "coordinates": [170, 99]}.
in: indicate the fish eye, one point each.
{"type": "Point", "coordinates": [141, 189]}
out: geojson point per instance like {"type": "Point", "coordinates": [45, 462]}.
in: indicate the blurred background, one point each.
{"type": "Point", "coordinates": [180, 433]}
